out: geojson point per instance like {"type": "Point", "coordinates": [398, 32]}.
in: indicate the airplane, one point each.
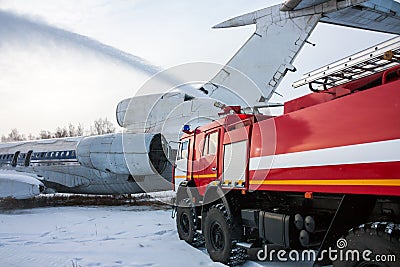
{"type": "Point", "coordinates": [120, 163]}
{"type": "Point", "coordinates": [140, 159]}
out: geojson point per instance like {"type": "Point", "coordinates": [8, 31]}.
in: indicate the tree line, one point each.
{"type": "Point", "coordinates": [99, 127]}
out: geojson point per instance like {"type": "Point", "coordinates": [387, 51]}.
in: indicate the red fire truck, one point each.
{"type": "Point", "coordinates": [328, 168]}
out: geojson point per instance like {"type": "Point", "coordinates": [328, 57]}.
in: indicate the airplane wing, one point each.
{"type": "Point", "coordinates": [19, 185]}
{"type": "Point", "coordinates": [251, 77]}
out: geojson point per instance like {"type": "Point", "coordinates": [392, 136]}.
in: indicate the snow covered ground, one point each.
{"type": "Point", "coordinates": [98, 236]}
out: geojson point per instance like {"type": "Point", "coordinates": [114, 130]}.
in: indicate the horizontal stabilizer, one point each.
{"type": "Point", "coordinates": [376, 15]}
{"type": "Point", "coordinates": [300, 4]}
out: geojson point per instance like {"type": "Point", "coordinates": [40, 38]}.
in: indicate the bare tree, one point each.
{"type": "Point", "coordinates": [80, 130]}
{"type": "Point", "coordinates": [45, 134]}
{"type": "Point", "coordinates": [61, 132]}
{"type": "Point", "coordinates": [32, 137]}
{"type": "Point", "coordinates": [14, 135]}
{"type": "Point", "coordinates": [102, 126]}
{"type": "Point", "coordinates": [71, 130]}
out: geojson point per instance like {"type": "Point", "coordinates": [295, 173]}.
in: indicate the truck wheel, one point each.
{"type": "Point", "coordinates": [186, 222]}
{"type": "Point", "coordinates": [381, 238]}
{"type": "Point", "coordinates": [218, 232]}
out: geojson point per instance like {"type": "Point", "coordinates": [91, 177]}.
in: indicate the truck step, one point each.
{"type": "Point", "coordinates": [244, 245]}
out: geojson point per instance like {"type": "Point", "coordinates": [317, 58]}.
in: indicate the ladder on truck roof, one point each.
{"type": "Point", "coordinates": [370, 61]}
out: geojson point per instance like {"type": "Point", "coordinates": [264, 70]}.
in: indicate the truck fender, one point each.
{"type": "Point", "coordinates": [187, 189]}
{"type": "Point", "coordinates": [215, 194]}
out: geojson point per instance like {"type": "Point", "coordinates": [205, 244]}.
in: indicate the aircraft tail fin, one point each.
{"type": "Point", "coordinates": [252, 75]}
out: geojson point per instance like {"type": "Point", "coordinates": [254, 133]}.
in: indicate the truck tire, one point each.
{"type": "Point", "coordinates": [186, 223]}
{"type": "Point", "coordinates": [382, 238]}
{"type": "Point", "coordinates": [218, 232]}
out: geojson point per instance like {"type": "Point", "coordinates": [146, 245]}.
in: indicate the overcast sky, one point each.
{"type": "Point", "coordinates": [70, 61]}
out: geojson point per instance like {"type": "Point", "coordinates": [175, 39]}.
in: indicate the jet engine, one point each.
{"type": "Point", "coordinates": [134, 154]}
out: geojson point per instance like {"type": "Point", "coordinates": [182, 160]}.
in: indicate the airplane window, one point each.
{"type": "Point", "coordinates": [62, 154]}
{"type": "Point", "coordinates": [67, 154]}
{"type": "Point", "coordinates": [57, 154]}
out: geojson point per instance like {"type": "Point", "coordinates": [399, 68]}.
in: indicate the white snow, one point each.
{"type": "Point", "coordinates": [97, 236]}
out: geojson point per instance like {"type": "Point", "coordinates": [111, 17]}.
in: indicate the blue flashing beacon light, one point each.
{"type": "Point", "coordinates": [186, 128]}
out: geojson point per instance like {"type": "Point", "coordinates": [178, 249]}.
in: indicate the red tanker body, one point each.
{"type": "Point", "coordinates": [347, 144]}
{"type": "Point", "coordinates": [329, 165]}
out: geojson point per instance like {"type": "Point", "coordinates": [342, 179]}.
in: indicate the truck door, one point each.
{"type": "Point", "coordinates": [181, 163]}
{"type": "Point", "coordinates": [208, 161]}
{"type": "Point", "coordinates": [235, 155]}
